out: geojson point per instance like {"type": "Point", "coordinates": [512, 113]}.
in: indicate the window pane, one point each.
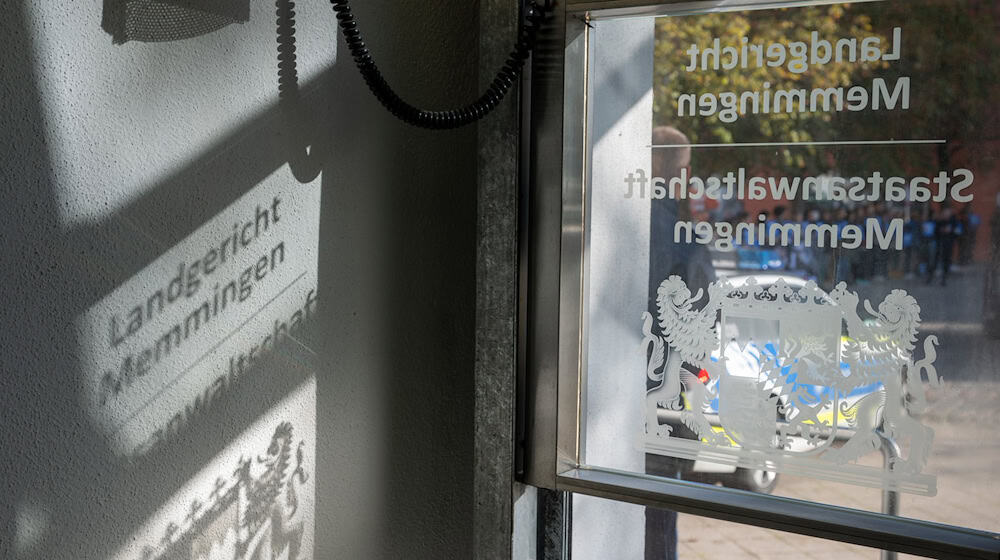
{"type": "Point", "coordinates": [792, 253]}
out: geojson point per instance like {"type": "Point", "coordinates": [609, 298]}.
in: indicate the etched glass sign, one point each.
{"type": "Point", "coordinates": [791, 251]}
{"type": "Point", "coordinates": [784, 382]}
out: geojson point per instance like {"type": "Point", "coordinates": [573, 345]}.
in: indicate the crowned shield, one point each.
{"type": "Point", "coordinates": [780, 355]}
{"type": "Point", "coordinates": [789, 378]}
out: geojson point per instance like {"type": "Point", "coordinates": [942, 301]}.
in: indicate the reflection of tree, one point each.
{"type": "Point", "coordinates": [675, 35]}
{"type": "Point", "coordinates": [950, 55]}
{"type": "Point", "coordinates": [947, 51]}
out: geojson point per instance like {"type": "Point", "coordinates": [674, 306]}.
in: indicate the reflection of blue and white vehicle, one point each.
{"type": "Point", "coordinates": [767, 397]}
{"type": "Point", "coordinates": [786, 367]}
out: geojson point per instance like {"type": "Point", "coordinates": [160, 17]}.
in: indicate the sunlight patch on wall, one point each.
{"type": "Point", "coordinates": [31, 526]}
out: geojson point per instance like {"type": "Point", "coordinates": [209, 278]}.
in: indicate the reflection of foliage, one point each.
{"type": "Point", "coordinates": [675, 35]}
{"type": "Point", "coordinates": [948, 52]}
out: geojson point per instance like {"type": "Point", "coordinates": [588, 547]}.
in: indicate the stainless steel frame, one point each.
{"type": "Point", "coordinates": [551, 316]}
{"type": "Point", "coordinates": [795, 516]}
{"type": "Point", "coordinates": [599, 9]}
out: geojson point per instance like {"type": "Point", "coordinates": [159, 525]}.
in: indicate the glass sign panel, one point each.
{"type": "Point", "coordinates": [792, 252]}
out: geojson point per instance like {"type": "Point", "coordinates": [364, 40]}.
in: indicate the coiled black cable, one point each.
{"type": "Point", "coordinates": [504, 80]}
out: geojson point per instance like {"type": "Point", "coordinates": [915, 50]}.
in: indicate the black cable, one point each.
{"type": "Point", "coordinates": [504, 80]}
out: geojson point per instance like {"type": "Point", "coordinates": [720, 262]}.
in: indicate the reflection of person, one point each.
{"type": "Point", "coordinates": [946, 231]}
{"type": "Point", "coordinates": [970, 228]}
{"type": "Point", "coordinates": [911, 231]}
{"type": "Point", "coordinates": [991, 312]}
{"type": "Point", "coordinates": [926, 240]}
{"type": "Point", "coordinates": [843, 259]}
{"type": "Point", "coordinates": [691, 262]}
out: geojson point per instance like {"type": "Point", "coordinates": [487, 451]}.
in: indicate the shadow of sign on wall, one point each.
{"type": "Point", "coordinates": [194, 321]}
{"type": "Point", "coordinates": [199, 336]}
{"type": "Point", "coordinates": [254, 500]}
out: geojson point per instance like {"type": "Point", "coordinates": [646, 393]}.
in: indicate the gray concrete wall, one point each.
{"type": "Point", "coordinates": [120, 161]}
{"type": "Point", "coordinates": [496, 296]}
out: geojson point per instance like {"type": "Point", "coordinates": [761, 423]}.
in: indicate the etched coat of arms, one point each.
{"type": "Point", "coordinates": [789, 378]}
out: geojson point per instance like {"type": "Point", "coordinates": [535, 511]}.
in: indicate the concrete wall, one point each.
{"type": "Point", "coordinates": [120, 161]}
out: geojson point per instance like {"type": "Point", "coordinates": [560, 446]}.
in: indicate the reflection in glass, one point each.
{"type": "Point", "coordinates": [821, 282]}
